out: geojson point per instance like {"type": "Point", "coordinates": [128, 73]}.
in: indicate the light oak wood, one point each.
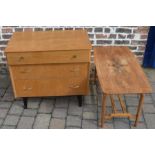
{"type": "Point", "coordinates": [48, 71]}
{"type": "Point", "coordinates": [48, 41]}
{"type": "Point", "coordinates": [119, 73]}
{"type": "Point", "coordinates": [50, 87]}
{"type": "Point", "coordinates": [48, 57]}
{"type": "Point", "coordinates": [49, 63]}
{"type": "Point", "coordinates": [141, 102]}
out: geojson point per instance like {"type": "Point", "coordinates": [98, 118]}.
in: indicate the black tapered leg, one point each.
{"type": "Point", "coordinates": [25, 102]}
{"type": "Point", "coordinates": [80, 100]}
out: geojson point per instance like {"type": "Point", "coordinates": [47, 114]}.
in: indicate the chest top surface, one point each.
{"type": "Point", "coordinates": [49, 41]}
{"type": "Point", "coordinates": [119, 71]}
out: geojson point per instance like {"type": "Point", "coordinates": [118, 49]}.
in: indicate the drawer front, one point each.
{"type": "Point", "coordinates": [48, 57]}
{"type": "Point", "coordinates": [55, 87]}
{"type": "Point", "coordinates": [49, 71]}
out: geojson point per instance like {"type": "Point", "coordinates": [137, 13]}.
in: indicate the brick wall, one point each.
{"type": "Point", "coordinates": [134, 37]}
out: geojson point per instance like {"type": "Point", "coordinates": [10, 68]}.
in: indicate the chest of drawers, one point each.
{"type": "Point", "coordinates": [54, 63]}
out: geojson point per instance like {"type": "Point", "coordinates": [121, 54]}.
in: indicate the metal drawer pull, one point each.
{"type": "Point", "coordinates": [26, 89]}
{"type": "Point", "coordinates": [74, 86]}
{"type": "Point", "coordinates": [74, 56]}
{"type": "Point", "coordinates": [21, 58]}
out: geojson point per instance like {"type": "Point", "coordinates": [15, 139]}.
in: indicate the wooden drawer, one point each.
{"type": "Point", "coordinates": [48, 87]}
{"type": "Point", "coordinates": [49, 71]}
{"type": "Point", "coordinates": [48, 57]}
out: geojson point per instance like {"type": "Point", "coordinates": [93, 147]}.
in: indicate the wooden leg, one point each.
{"type": "Point", "coordinates": [141, 101]}
{"type": "Point", "coordinates": [113, 104]}
{"type": "Point", "coordinates": [103, 112]}
{"type": "Point", "coordinates": [80, 100]}
{"type": "Point", "coordinates": [25, 102]}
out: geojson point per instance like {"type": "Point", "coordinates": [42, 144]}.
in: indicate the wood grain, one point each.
{"type": "Point", "coordinates": [55, 63]}
{"type": "Point", "coordinates": [48, 41]}
{"type": "Point", "coordinates": [49, 57]}
{"type": "Point", "coordinates": [50, 71]}
{"type": "Point", "coordinates": [119, 72]}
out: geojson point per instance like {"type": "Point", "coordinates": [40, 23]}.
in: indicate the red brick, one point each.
{"type": "Point", "coordinates": [18, 29]}
{"type": "Point", "coordinates": [121, 36]}
{"type": "Point", "coordinates": [49, 29]}
{"type": "Point", "coordinates": [130, 36]}
{"type": "Point", "coordinates": [144, 36]}
{"type": "Point", "coordinates": [78, 28]}
{"type": "Point", "coordinates": [101, 36]}
{"type": "Point", "coordinates": [2, 48]}
{"type": "Point", "coordinates": [132, 47]}
{"type": "Point", "coordinates": [98, 29]}
{"type": "Point", "coordinates": [2, 42]}
{"type": "Point", "coordinates": [89, 29]}
{"type": "Point", "coordinates": [122, 42]}
{"type": "Point", "coordinates": [68, 28]}
{"type": "Point", "coordinates": [38, 29]}
{"type": "Point", "coordinates": [107, 30]}
{"type": "Point", "coordinates": [28, 29]}
{"type": "Point", "coordinates": [7, 30]}
{"type": "Point", "coordinates": [91, 35]}
{"type": "Point", "coordinates": [104, 41]}
{"type": "Point", "coordinates": [58, 28]}
{"type": "Point", "coordinates": [141, 29]}
{"type": "Point", "coordinates": [112, 36]}
{"type": "Point", "coordinates": [6, 36]}
{"type": "Point", "coordinates": [141, 48]}
{"type": "Point", "coordinates": [123, 30]}
{"type": "Point", "coordinates": [138, 42]}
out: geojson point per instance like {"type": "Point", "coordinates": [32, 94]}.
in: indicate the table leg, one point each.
{"type": "Point", "coordinates": [80, 100]}
{"type": "Point", "coordinates": [141, 101]}
{"type": "Point", "coordinates": [25, 102]}
{"type": "Point", "coordinates": [103, 112]}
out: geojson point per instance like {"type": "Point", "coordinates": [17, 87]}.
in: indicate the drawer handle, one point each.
{"type": "Point", "coordinates": [26, 89]}
{"type": "Point", "coordinates": [74, 56]}
{"type": "Point", "coordinates": [74, 86]}
{"type": "Point", "coordinates": [21, 58]}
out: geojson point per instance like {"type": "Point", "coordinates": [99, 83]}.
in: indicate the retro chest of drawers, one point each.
{"type": "Point", "coordinates": [54, 63]}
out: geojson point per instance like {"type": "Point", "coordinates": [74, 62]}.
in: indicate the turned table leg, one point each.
{"type": "Point", "coordinates": [103, 112]}
{"type": "Point", "coordinates": [141, 101]}
{"type": "Point", "coordinates": [25, 102]}
{"type": "Point", "coordinates": [80, 100]}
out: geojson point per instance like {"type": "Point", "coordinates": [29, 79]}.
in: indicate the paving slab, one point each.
{"type": "Point", "coordinates": [149, 108]}
{"type": "Point", "coordinates": [42, 121]}
{"type": "Point", "coordinates": [74, 109]}
{"type": "Point", "coordinates": [57, 123]}
{"type": "Point", "coordinates": [150, 121]}
{"type": "Point", "coordinates": [89, 124]}
{"type": "Point", "coordinates": [33, 103]}
{"type": "Point", "coordinates": [62, 102]}
{"type": "Point", "coordinates": [30, 112]}
{"type": "Point", "coordinates": [59, 113]}
{"type": "Point", "coordinates": [8, 127]}
{"type": "Point", "coordinates": [3, 113]}
{"type": "Point", "coordinates": [5, 104]}
{"type": "Point", "coordinates": [25, 123]}
{"type": "Point", "coordinates": [11, 120]}
{"type": "Point", "coordinates": [74, 121]}
{"type": "Point", "coordinates": [16, 108]}
{"type": "Point", "coordinates": [121, 123]}
{"type": "Point", "coordinates": [46, 106]}
{"type": "Point", "coordinates": [90, 115]}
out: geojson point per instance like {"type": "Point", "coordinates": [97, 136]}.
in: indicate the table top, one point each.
{"type": "Point", "coordinates": [49, 41]}
{"type": "Point", "coordinates": [119, 71]}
